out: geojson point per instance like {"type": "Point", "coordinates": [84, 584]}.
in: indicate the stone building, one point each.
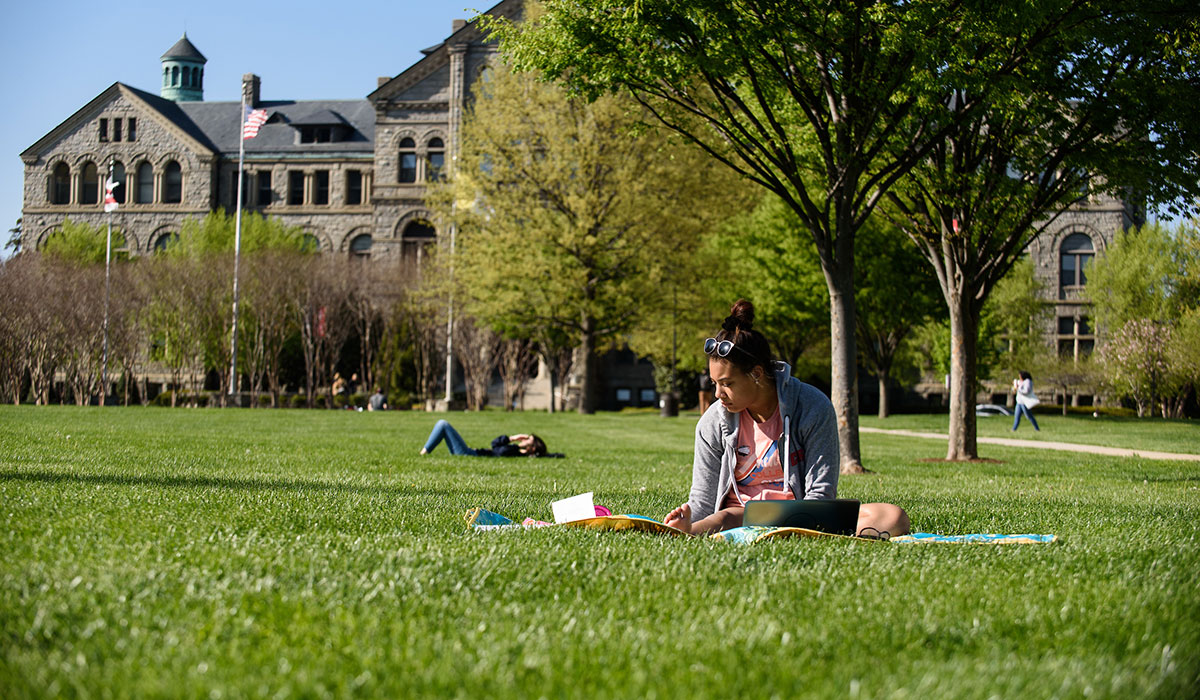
{"type": "Point", "coordinates": [351, 173]}
{"type": "Point", "coordinates": [1060, 255]}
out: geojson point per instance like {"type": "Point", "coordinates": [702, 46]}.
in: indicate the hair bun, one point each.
{"type": "Point", "coordinates": [741, 314]}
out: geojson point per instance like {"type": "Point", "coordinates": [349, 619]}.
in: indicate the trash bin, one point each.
{"type": "Point", "coordinates": [668, 402]}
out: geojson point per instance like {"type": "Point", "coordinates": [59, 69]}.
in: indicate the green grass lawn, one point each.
{"type": "Point", "coordinates": [228, 553]}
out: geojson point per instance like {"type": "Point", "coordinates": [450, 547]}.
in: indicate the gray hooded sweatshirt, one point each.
{"type": "Point", "coordinates": [810, 425]}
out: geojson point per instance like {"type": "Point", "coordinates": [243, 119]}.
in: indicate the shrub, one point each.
{"type": "Point", "coordinates": [298, 401]}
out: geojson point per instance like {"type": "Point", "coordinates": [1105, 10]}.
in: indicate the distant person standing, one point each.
{"type": "Point", "coordinates": [378, 401]}
{"type": "Point", "coordinates": [1026, 400]}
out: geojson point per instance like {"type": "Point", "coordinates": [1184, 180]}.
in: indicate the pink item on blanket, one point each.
{"type": "Point", "coordinates": [601, 512]}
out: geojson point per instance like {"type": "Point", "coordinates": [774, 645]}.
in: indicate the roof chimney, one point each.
{"type": "Point", "coordinates": [251, 89]}
{"type": "Point", "coordinates": [382, 80]}
{"type": "Point", "coordinates": [457, 25]}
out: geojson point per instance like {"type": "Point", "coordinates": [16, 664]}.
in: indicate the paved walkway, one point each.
{"type": "Point", "coordinates": [1046, 445]}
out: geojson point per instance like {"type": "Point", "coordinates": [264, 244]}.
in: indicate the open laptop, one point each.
{"type": "Point", "coordinates": [838, 516]}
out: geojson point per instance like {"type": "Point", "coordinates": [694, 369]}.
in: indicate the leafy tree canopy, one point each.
{"type": "Point", "coordinates": [1149, 272]}
{"type": "Point", "coordinates": [80, 243]}
{"type": "Point", "coordinates": [216, 232]}
{"type": "Point", "coordinates": [573, 218]}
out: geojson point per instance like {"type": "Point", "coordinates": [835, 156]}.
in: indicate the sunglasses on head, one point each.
{"type": "Point", "coordinates": [722, 348]}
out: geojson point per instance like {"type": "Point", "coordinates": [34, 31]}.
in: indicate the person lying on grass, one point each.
{"type": "Point", "coordinates": [503, 446]}
{"type": "Point", "coordinates": [768, 436]}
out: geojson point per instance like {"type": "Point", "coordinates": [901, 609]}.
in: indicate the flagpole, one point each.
{"type": "Point", "coordinates": [237, 246]}
{"type": "Point", "coordinates": [107, 273]}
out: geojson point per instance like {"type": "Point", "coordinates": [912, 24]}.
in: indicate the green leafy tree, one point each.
{"type": "Point", "coordinates": [192, 297]}
{"type": "Point", "coordinates": [763, 256]}
{"type": "Point", "coordinates": [1184, 356]}
{"type": "Point", "coordinates": [1071, 120]}
{"type": "Point", "coordinates": [14, 237]}
{"type": "Point", "coordinates": [565, 210]}
{"type": "Point", "coordinates": [1017, 311]}
{"type": "Point", "coordinates": [80, 243]}
{"type": "Point", "coordinates": [825, 104]}
{"type": "Point", "coordinates": [895, 294]}
{"type": "Point", "coordinates": [1145, 289]}
{"type": "Point", "coordinates": [1149, 272]}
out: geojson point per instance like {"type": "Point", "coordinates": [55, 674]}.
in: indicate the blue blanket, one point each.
{"type": "Point", "coordinates": [481, 519]}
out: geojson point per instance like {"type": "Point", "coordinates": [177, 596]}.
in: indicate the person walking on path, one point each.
{"type": "Point", "coordinates": [1025, 400]}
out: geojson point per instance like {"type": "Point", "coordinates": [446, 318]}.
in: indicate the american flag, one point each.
{"type": "Point", "coordinates": [110, 202]}
{"type": "Point", "coordinates": [253, 121]}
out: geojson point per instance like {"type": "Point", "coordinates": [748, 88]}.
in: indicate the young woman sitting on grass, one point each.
{"type": "Point", "coordinates": [503, 446]}
{"type": "Point", "coordinates": [768, 436]}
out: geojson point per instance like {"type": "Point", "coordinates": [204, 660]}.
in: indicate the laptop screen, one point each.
{"type": "Point", "coordinates": [837, 516]}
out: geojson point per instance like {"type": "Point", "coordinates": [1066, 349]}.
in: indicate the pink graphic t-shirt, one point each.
{"type": "Point", "coordinates": [758, 471]}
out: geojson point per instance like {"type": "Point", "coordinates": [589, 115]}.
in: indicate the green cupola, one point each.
{"type": "Point", "coordinates": [183, 72]}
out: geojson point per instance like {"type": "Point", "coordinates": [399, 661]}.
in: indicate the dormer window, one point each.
{"type": "Point", "coordinates": [325, 126]}
{"type": "Point", "coordinates": [316, 134]}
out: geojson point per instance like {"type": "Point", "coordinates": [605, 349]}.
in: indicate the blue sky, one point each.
{"type": "Point", "coordinates": [57, 56]}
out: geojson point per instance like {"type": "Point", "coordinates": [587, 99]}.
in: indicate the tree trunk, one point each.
{"type": "Point", "coordinates": [587, 369]}
{"type": "Point", "coordinates": [964, 339]}
{"type": "Point", "coordinates": [883, 394]}
{"type": "Point", "coordinates": [844, 365]}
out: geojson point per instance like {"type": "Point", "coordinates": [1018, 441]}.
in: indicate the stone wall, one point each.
{"type": "Point", "coordinates": [155, 143]}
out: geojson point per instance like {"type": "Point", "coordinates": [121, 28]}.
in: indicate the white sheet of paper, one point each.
{"type": "Point", "coordinates": [574, 508]}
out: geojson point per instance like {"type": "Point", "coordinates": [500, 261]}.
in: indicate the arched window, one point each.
{"type": "Point", "coordinates": [60, 184]}
{"type": "Point", "coordinates": [145, 184]}
{"type": "Point", "coordinates": [200, 80]}
{"type": "Point", "coordinates": [313, 244]}
{"type": "Point", "coordinates": [165, 241]}
{"type": "Point", "coordinates": [360, 247]}
{"type": "Point", "coordinates": [89, 192]}
{"type": "Point", "coordinates": [187, 77]}
{"type": "Point", "coordinates": [1074, 254]}
{"type": "Point", "coordinates": [417, 236]}
{"type": "Point", "coordinates": [435, 160]}
{"type": "Point", "coordinates": [118, 176]}
{"type": "Point", "coordinates": [172, 183]}
{"type": "Point", "coordinates": [166, 76]}
{"type": "Point", "coordinates": [174, 76]}
{"type": "Point", "coordinates": [408, 160]}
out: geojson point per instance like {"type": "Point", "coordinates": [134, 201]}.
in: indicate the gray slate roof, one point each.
{"type": "Point", "coordinates": [324, 117]}
{"type": "Point", "coordinates": [185, 49]}
{"type": "Point", "coordinates": [220, 122]}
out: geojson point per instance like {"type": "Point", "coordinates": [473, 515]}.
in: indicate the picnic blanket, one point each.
{"type": "Point", "coordinates": [480, 519]}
